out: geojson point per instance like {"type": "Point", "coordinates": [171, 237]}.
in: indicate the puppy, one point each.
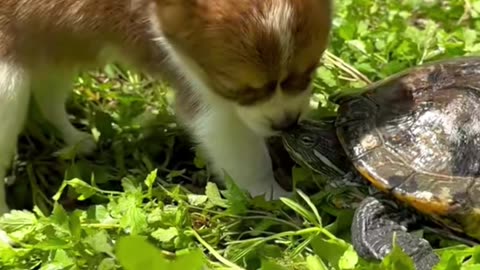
{"type": "Point", "coordinates": [241, 69]}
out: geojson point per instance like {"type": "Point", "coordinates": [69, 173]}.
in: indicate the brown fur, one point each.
{"type": "Point", "coordinates": [72, 33]}
{"type": "Point", "coordinates": [221, 38]}
{"type": "Point", "coordinates": [215, 33]}
{"type": "Point", "coordinates": [244, 68]}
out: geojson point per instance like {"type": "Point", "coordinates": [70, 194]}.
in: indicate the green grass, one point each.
{"type": "Point", "coordinates": [140, 201]}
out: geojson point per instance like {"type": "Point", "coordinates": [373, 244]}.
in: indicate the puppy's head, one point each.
{"type": "Point", "coordinates": [258, 55]}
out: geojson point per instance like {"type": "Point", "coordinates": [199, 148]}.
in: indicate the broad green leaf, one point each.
{"type": "Point", "coordinates": [471, 267]}
{"type": "Point", "coordinates": [347, 31]}
{"type": "Point", "coordinates": [135, 253]}
{"type": "Point", "coordinates": [61, 260]}
{"type": "Point", "coordinates": [85, 190]}
{"type": "Point", "coordinates": [326, 76]}
{"type": "Point", "coordinates": [152, 176]}
{"type": "Point", "coordinates": [270, 265]}
{"type": "Point", "coordinates": [349, 259]}
{"type": "Point", "coordinates": [198, 161]}
{"type": "Point", "coordinates": [358, 44]}
{"type": "Point", "coordinates": [100, 214]}
{"type": "Point", "coordinates": [165, 235]}
{"type": "Point", "coordinates": [236, 198]}
{"type": "Point", "coordinates": [53, 243]}
{"type": "Point", "coordinates": [75, 224]}
{"type": "Point", "coordinates": [331, 250]}
{"type": "Point", "coordinates": [16, 220]}
{"type": "Point", "coordinates": [188, 259]}
{"type": "Point", "coordinates": [135, 220]}
{"type": "Point", "coordinates": [19, 224]}
{"type": "Point", "coordinates": [476, 254]}
{"type": "Point", "coordinates": [132, 216]}
{"type": "Point", "coordinates": [452, 257]}
{"type": "Point", "coordinates": [214, 196]}
{"type": "Point", "coordinates": [130, 187]}
{"type": "Point", "coordinates": [196, 200]}
{"type": "Point", "coordinates": [107, 264]}
{"type": "Point", "coordinates": [314, 263]}
{"type": "Point", "coordinates": [60, 217]}
{"type": "Point", "coordinates": [8, 254]}
{"type": "Point", "coordinates": [449, 263]}
{"type": "Point", "coordinates": [100, 242]}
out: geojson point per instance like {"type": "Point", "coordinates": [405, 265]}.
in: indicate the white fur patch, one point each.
{"type": "Point", "coordinates": [14, 99]}
{"type": "Point", "coordinates": [233, 147]}
{"type": "Point", "coordinates": [260, 117]}
{"type": "Point", "coordinates": [50, 93]}
{"type": "Point", "coordinates": [279, 20]}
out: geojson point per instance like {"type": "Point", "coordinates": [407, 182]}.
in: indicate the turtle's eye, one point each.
{"type": "Point", "coordinates": [307, 140]}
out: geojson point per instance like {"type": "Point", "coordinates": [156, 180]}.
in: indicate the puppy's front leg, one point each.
{"type": "Point", "coordinates": [50, 92]}
{"type": "Point", "coordinates": [235, 149]}
{"type": "Point", "coordinates": [14, 99]}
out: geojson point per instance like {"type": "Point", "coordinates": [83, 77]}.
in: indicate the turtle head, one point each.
{"type": "Point", "coordinates": [314, 144]}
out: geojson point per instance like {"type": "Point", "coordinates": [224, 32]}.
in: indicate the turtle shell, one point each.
{"type": "Point", "coordinates": [416, 136]}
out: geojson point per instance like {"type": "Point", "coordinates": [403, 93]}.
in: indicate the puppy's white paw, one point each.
{"type": "Point", "coordinates": [278, 192]}
{"type": "Point", "coordinates": [83, 143]}
{"type": "Point", "coordinates": [86, 145]}
{"type": "Point", "coordinates": [268, 188]}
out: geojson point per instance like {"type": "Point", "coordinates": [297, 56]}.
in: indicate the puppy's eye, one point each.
{"type": "Point", "coordinates": [251, 96]}
{"type": "Point", "coordinates": [298, 82]}
{"type": "Point", "coordinates": [270, 86]}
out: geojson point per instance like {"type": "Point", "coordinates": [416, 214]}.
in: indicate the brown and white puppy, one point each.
{"type": "Point", "coordinates": [241, 68]}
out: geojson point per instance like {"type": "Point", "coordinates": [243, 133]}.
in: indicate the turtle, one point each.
{"type": "Point", "coordinates": [414, 138]}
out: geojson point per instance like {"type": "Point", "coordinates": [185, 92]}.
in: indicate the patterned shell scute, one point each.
{"type": "Point", "coordinates": [417, 135]}
{"type": "Point", "coordinates": [437, 195]}
{"type": "Point", "coordinates": [351, 126]}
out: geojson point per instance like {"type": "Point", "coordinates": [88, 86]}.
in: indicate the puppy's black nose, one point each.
{"type": "Point", "coordinates": [286, 123]}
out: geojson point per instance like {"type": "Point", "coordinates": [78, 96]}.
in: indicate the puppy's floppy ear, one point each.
{"type": "Point", "coordinates": [177, 17]}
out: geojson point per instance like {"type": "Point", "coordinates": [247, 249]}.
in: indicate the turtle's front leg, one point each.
{"type": "Point", "coordinates": [373, 228]}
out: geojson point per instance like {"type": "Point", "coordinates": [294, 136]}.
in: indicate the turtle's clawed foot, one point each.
{"type": "Point", "coordinates": [374, 228]}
